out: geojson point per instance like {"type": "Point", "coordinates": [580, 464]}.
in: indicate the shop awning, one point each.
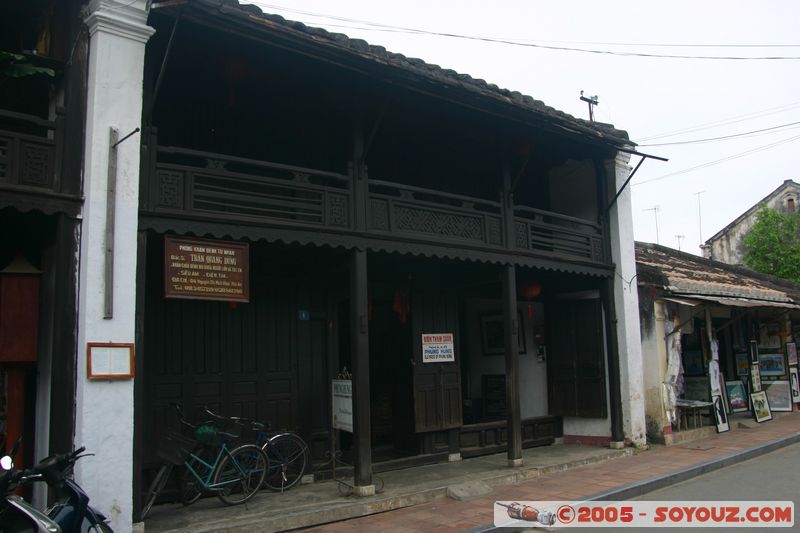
{"type": "Point", "coordinates": [731, 301]}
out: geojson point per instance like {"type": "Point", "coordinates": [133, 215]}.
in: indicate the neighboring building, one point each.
{"type": "Point", "coordinates": [447, 241]}
{"type": "Point", "coordinates": [685, 301]}
{"type": "Point", "coordinates": [727, 245]}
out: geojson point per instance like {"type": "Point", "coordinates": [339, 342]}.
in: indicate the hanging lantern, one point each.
{"type": "Point", "coordinates": [530, 290]}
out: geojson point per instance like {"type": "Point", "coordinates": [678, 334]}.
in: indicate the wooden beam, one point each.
{"type": "Point", "coordinates": [512, 332]}
{"type": "Point", "coordinates": [359, 341]}
{"type": "Point", "coordinates": [111, 198]}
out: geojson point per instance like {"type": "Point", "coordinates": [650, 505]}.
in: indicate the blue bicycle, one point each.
{"type": "Point", "coordinates": [213, 463]}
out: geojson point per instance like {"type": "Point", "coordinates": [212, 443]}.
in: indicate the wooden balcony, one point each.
{"type": "Point", "coordinates": [193, 185]}
{"type": "Point", "coordinates": [29, 152]}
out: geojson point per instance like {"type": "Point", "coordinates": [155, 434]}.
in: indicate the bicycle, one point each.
{"type": "Point", "coordinates": [233, 474]}
{"type": "Point", "coordinates": [287, 453]}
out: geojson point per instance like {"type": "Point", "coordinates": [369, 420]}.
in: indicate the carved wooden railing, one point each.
{"type": "Point", "coordinates": [560, 235]}
{"type": "Point", "coordinates": [219, 186]}
{"type": "Point", "coordinates": [30, 151]}
{"type": "Point", "coordinates": [402, 209]}
{"type": "Point", "coordinates": [194, 184]}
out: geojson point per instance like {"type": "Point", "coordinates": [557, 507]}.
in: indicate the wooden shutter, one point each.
{"type": "Point", "coordinates": [576, 367]}
{"type": "Point", "coordinates": [437, 386]}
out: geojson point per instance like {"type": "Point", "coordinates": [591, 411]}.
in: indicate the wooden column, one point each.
{"type": "Point", "coordinates": [138, 386]}
{"type": "Point", "coordinates": [610, 310]}
{"type": "Point", "coordinates": [359, 342]}
{"type": "Point", "coordinates": [514, 423]}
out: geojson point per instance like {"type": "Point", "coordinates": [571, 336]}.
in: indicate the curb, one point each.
{"type": "Point", "coordinates": [638, 488]}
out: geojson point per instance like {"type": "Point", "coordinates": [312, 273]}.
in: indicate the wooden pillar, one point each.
{"type": "Point", "coordinates": [612, 359]}
{"type": "Point", "coordinates": [359, 342]}
{"type": "Point", "coordinates": [511, 320]}
{"type": "Point", "coordinates": [138, 387]}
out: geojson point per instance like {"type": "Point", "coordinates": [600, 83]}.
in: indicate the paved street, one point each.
{"type": "Point", "coordinates": [446, 515]}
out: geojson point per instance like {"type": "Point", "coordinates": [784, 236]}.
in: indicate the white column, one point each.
{"type": "Point", "coordinates": [104, 409]}
{"type": "Point", "coordinates": [626, 300]}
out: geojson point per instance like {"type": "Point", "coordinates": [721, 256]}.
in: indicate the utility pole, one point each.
{"type": "Point", "coordinates": [679, 237]}
{"type": "Point", "coordinates": [699, 217]}
{"type": "Point", "coordinates": [655, 209]}
{"type": "Point", "coordinates": [592, 101]}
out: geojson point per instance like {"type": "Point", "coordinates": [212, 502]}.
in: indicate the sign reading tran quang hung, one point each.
{"type": "Point", "coordinates": [437, 348]}
{"type": "Point", "coordinates": [202, 269]}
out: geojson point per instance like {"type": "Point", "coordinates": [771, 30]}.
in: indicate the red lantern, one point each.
{"type": "Point", "coordinates": [530, 290]}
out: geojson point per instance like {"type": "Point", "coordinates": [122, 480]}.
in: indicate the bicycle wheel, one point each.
{"type": "Point", "coordinates": [288, 457]}
{"type": "Point", "coordinates": [191, 488]}
{"type": "Point", "coordinates": [240, 474]}
{"type": "Point", "coordinates": [155, 487]}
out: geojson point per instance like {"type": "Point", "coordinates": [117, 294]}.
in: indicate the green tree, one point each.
{"type": "Point", "coordinates": [772, 245]}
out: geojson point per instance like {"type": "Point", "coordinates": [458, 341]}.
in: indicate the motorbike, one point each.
{"type": "Point", "coordinates": [71, 512]}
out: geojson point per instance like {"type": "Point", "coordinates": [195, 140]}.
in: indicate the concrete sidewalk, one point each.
{"type": "Point", "coordinates": [627, 477]}
{"type": "Point", "coordinates": [460, 496]}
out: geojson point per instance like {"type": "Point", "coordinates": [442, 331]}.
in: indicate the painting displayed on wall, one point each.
{"type": "Point", "coordinates": [742, 364]}
{"type": "Point", "coordinates": [779, 395]}
{"type": "Point", "coordinates": [772, 364]}
{"type": "Point", "coordinates": [761, 410]}
{"type": "Point", "coordinates": [755, 378]}
{"type": "Point", "coordinates": [737, 396]}
{"type": "Point", "coordinates": [791, 353]}
{"type": "Point", "coordinates": [770, 334]}
{"type": "Point", "coordinates": [493, 334]}
{"type": "Point", "coordinates": [693, 363]}
{"type": "Point", "coordinates": [795, 385]}
{"type": "Point", "coordinates": [720, 416]}
{"type": "Point", "coordinates": [697, 388]}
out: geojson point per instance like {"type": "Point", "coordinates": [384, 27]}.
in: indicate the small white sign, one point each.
{"type": "Point", "coordinates": [342, 404]}
{"type": "Point", "coordinates": [438, 348]}
{"type": "Point", "coordinates": [106, 360]}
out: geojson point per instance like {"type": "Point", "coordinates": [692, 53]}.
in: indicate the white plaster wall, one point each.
{"type": "Point", "coordinates": [533, 374]}
{"type": "Point", "coordinates": [626, 300]}
{"type": "Point", "coordinates": [104, 410]}
{"type": "Point", "coordinates": [654, 355]}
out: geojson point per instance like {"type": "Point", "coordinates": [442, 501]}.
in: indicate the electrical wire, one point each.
{"type": "Point", "coordinates": [718, 161]}
{"type": "Point", "coordinates": [724, 122]}
{"type": "Point", "coordinates": [726, 137]}
{"type": "Point", "coordinates": [402, 29]}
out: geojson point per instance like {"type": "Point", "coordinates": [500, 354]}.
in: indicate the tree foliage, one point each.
{"type": "Point", "coordinates": [772, 245]}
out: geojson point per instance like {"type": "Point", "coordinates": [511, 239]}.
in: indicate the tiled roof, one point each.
{"type": "Point", "coordinates": [681, 273]}
{"type": "Point", "coordinates": [380, 56]}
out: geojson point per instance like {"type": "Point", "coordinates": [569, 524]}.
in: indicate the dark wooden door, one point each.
{"type": "Point", "coordinates": [437, 386]}
{"type": "Point", "coordinates": [576, 366]}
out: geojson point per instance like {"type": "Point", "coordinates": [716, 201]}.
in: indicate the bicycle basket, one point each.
{"type": "Point", "coordinates": [175, 448]}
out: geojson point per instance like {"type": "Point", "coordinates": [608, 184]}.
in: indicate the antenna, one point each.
{"type": "Point", "coordinates": [699, 217]}
{"type": "Point", "coordinates": [679, 237]}
{"type": "Point", "coordinates": [655, 209]}
{"type": "Point", "coordinates": [592, 101]}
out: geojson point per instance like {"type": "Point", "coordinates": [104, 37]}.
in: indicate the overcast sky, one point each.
{"type": "Point", "coordinates": [646, 96]}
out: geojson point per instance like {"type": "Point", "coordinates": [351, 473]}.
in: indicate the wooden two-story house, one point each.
{"type": "Point", "coordinates": [382, 200]}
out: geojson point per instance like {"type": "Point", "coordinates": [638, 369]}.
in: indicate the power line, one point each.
{"type": "Point", "coordinates": [718, 161]}
{"type": "Point", "coordinates": [725, 137]}
{"type": "Point", "coordinates": [402, 29]}
{"type": "Point", "coordinates": [724, 122]}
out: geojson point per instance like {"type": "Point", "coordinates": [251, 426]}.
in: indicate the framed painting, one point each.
{"type": "Point", "coordinates": [720, 416]}
{"type": "Point", "coordinates": [761, 410]}
{"type": "Point", "coordinates": [737, 396]}
{"type": "Point", "coordinates": [693, 363]}
{"type": "Point", "coordinates": [779, 395]}
{"type": "Point", "coordinates": [742, 364]}
{"type": "Point", "coordinates": [493, 334]}
{"type": "Point", "coordinates": [755, 378]}
{"type": "Point", "coordinates": [772, 364]}
{"type": "Point", "coordinates": [794, 384]}
{"type": "Point", "coordinates": [791, 353]}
